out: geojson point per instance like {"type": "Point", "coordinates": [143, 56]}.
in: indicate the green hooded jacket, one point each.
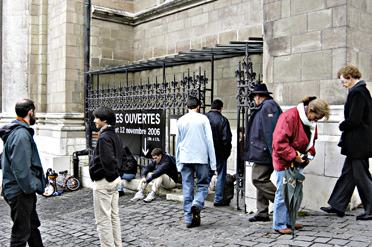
{"type": "Point", "coordinates": [20, 161]}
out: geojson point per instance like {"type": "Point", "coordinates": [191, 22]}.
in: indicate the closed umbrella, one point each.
{"type": "Point", "coordinates": [292, 192]}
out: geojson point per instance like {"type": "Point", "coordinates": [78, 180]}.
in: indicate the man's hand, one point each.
{"type": "Point", "coordinates": [144, 181]}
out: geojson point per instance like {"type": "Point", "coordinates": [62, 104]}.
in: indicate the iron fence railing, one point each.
{"type": "Point", "coordinates": [246, 81]}
{"type": "Point", "coordinates": [167, 95]}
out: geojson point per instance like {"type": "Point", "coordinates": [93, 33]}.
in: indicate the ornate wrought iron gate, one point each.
{"type": "Point", "coordinates": [246, 81]}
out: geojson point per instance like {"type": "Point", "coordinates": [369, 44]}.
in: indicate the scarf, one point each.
{"type": "Point", "coordinates": [103, 128]}
{"type": "Point", "coordinates": [22, 120]}
{"type": "Point", "coordinates": [307, 122]}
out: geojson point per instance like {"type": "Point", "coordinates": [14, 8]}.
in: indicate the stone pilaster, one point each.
{"type": "Point", "coordinates": [58, 136]}
{"type": "Point", "coordinates": [43, 54]}
{"type": "Point", "coordinates": [15, 53]}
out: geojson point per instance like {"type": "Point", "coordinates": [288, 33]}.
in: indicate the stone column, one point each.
{"type": "Point", "coordinates": [60, 131]}
{"type": "Point", "coordinates": [43, 50]}
{"type": "Point", "coordinates": [15, 50]}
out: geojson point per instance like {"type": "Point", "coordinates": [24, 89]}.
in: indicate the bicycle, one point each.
{"type": "Point", "coordinates": [71, 183]}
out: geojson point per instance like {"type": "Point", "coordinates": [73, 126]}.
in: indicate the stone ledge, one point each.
{"type": "Point", "coordinates": [150, 14]}
{"type": "Point", "coordinates": [133, 185]}
{"type": "Point", "coordinates": [170, 194]}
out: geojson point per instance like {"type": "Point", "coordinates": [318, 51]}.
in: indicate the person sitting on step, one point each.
{"type": "Point", "coordinates": [162, 172]}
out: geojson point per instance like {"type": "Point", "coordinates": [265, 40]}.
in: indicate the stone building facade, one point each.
{"type": "Point", "coordinates": [305, 43]}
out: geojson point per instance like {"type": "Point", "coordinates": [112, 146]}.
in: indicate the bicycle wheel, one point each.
{"type": "Point", "coordinates": [72, 184]}
{"type": "Point", "coordinates": [49, 190]}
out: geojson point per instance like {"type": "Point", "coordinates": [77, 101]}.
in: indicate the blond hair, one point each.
{"type": "Point", "coordinates": [318, 106]}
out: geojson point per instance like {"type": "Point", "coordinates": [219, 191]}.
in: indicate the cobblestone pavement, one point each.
{"type": "Point", "coordinates": [68, 220]}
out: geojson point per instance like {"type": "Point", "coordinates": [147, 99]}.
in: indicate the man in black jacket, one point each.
{"type": "Point", "coordinates": [104, 170]}
{"type": "Point", "coordinates": [222, 145]}
{"type": "Point", "coordinates": [258, 148]}
{"type": "Point", "coordinates": [356, 144]}
{"type": "Point", "coordinates": [162, 172]}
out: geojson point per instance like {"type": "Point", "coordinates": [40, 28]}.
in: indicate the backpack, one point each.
{"type": "Point", "coordinates": [173, 159]}
{"type": "Point", "coordinates": [129, 163]}
{"type": "Point", "coordinates": [228, 193]}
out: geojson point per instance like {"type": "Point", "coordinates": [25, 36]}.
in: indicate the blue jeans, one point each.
{"type": "Point", "coordinates": [202, 184]}
{"type": "Point", "coordinates": [128, 177]}
{"type": "Point", "coordinates": [281, 216]}
{"type": "Point", "coordinates": [221, 179]}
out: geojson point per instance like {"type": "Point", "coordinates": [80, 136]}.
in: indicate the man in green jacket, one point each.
{"type": "Point", "coordinates": [23, 175]}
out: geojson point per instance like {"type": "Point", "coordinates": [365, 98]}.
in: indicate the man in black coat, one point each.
{"type": "Point", "coordinates": [104, 170]}
{"type": "Point", "coordinates": [162, 172]}
{"type": "Point", "coordinates": [222, 145]}
{"type": "Point", "coordinates": [356, 144]}
{"type": "Point", "coordinates": [258, 148]}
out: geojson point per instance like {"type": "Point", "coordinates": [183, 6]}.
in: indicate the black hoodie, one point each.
{"type": "Point", "coordinates": [107, 156]}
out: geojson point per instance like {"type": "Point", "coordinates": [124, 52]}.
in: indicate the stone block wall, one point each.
{"type": "Point", "coordinates": [309, 41]}
{"type": "Point", "coordinates": [38, 45]}
{"type": "Point", "coordinates": [214, 23]}
{"type": "Point", "coordinates": [66, 56]}
{"type": "Point", "coordinates": [111, 44]}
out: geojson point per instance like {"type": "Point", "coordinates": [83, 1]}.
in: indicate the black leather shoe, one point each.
{"type": "Point", "coordinates": [364, 217]}
{"type": "Point", "coordinates": [259, 218]}
{"type": "Point", "coordinates": [332, 210]}
{"type": "Point", "coordinates": [189, 225]}
{"type": "Point", "coordinates": [195, 211]}
{"type": "Point", "coordinates": [220, 203]}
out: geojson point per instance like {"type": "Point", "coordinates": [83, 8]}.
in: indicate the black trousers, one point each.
{"type": "Point", "coordinates": [354, 173]}
{"type": "Point", "coordinates": [25, 221]}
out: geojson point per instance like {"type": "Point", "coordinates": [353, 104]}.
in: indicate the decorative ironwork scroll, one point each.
{"type": "Point", "coordinates": [164, 95]}
{"type": "Point", "coordinates": [246, 81]}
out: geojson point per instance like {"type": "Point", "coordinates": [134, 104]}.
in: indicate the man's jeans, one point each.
{"type": "Point", "coordinates": [25, 221]}
{"type": "Point", "coordinates": [281, 216]}
{"type": "Point", "coordinates": [221, 179]}
{"type": "Point", "coordinates": [202, 184]}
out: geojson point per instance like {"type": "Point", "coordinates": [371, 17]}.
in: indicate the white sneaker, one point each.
{"type": "Point", "coordinates": [137, 196]}
{"type": "Point", "coordinates": [150, 197]}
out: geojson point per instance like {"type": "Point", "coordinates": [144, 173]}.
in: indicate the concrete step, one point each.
{"type": "Point", "coordinates": [170, 194]}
